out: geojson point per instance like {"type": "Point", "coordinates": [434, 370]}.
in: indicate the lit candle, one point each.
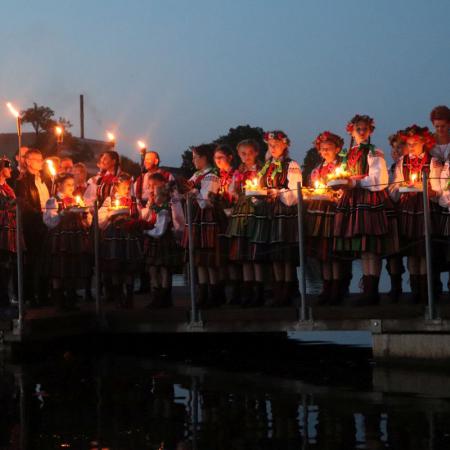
{"type": "Point", "coordinates": [78, 200]}
{"type": "Point", "coordinates": [116, 203]}
{"type": "Point", "coordinates": [413, 177]}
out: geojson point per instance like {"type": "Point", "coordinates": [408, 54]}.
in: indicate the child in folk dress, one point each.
{"type": "Point", "coordinates": [67, 245]}
{"type": "Point", "coordinates": [160, 249]}
{"type": "Point", "coordinates": [274, 228]}
{"type": "Point", "coordinates": [365, 224]}
{"type": "Point", "coordinates": [240, 248]}
{"type": "Point", "coordinates": [319, 219]}
{"type": "Point", "coordinates": [409, 171]}
{"type": "Point", "coordinates": [120, 248]}
{"type": "Point", "coordinates": [207, 223]}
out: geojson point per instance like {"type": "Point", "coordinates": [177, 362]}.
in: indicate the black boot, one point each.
{"type": "Point", "coordinates": [361, 300]}
{"type": "Point", "coordinates": [219, 298]}
{"type": "Point", "coordinates": [71, 300]}
{"type": "Point", "coordinates": [236, 293]}
{"type": "Point", "coordinates": [259, 294]}
{"type": "Point", "coordinates": [374, 295]}
{"type": "Point", "coordinates": [129, 296]}
{"type": "Point", "coordinates": [423, 288]}
{"type": "Point", "coordinates": [109, 290]}
{"type": "Point", "coordinates": [396, 288]}
{"type": "Point", "coordinates": [119, 298]}
{"type": "Point", "coordinates": [278, 293]}
{"type": "Point", "coordinates": [336, 297]}
{"type": "Point", "coordinates": [155, 298]}
{"type": "Point", "coordinates": [59, 300]}
{"type": "Point", "coordinates": [414, 281]}
{"type": "Point", "coordinates": [247, 294]}
{"type": "Point", "coordinates": [202, 295]}
{"type": "Point", "coordinates": [325, 296]}
{"type": "Point", "coordinates": [166, 298]}
{"type": "Point", "coordinates": [144, 287]}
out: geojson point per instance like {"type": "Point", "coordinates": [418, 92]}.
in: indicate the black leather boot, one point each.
{"type": "Point", "coordinates": [324, 297]}
{"type": "Point", "coordinates": [396, 288]}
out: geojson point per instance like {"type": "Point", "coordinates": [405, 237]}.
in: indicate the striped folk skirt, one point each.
{"type": "Point", "coordinates": [319, 223]}
{"type": "Point", "coordinates": [365, 221]}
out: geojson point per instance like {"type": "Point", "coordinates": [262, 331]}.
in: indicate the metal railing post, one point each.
{"type": "Point", "coordinates": [98, 294]}
{"type": "Point", "coordinates": [301, 251]}
{"type": "Point", "coordinates": [428, 252]}
{"type": "Point", "coordinates": [19, 250]}
{"type": "Point", "coordinates": [194, 312]}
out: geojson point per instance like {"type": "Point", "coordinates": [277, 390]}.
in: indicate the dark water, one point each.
{"type": "Point", "coordinates": [257, 392]}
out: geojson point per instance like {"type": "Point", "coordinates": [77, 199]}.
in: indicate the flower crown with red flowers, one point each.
{"type": "Point", "coordinates": [328, 136]}
{"type": "Point", "coordinates": [419, 133]}
{"type": "Point", "coordinates": [278, 135]}
{"type": "Point", "coordinates": [360, 118]}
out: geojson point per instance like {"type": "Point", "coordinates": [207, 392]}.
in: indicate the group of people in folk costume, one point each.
{"type": "Point", "coordinates": [239, 240]}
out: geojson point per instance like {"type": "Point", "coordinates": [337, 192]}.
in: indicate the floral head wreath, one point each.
{"type": "Point", "coordinates": [278, 135]}
{"type": "Point", "coordinates": [419, 133]}
{"type": "Point", "coordinates": [360, 118]}
{"type": "Point", "coordinates": [328, 136]}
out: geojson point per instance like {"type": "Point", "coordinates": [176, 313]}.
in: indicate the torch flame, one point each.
{"type": "Point", "coordinates": [110, 136]}
{"type": "Point", "coordinates": [13, 110]}
{"type": "Point", "coordinates": [51, 167]}
{"type": "Point", "coordinates": [141, 145]}
{"type": "Point", "coordinates": [58, 130]}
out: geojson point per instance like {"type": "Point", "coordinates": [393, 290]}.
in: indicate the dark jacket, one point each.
{"type": "Point", "coordinates": [28, 195]}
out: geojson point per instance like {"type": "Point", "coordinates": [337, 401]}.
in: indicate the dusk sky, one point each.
{"type": "Point", "coordinates": [179, 73]}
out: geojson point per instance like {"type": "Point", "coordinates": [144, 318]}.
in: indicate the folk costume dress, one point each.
{"type": "Point", "coordinates": [120, 248]}
{"type": "Point", "coordinates": [223, 203]}
{"type": "Point", "coordinates": [365, 219]}
{"type": "Point", "coordinates": [160, 247]}
{"type": "Point", "coordinates": [319, 218]}
{"type": "Point", "coordinates": [274, 228]}
{"type": "Point", "coordinates": [410, 206]}
{"type": "Point", "coordinates": [207, 223]}
{"type": "Point", "coordinates": [67, 246]}
{"type": "Point", "coordinates": [240, 248]}
{"type": "Point", "coordinates": [8, 248]}
{"type": "Point", "coordinates": [99, 187]}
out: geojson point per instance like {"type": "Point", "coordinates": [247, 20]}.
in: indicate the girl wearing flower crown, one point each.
{"type": "Point", "coordinates": [67, 244]}
{"type": "Point", "coordinates": [365, 224]}
{"type": "Point", "coordinates": [409, 172]}
{"type": "Point", "coordinates": [319, 219]}
{"type": "Point", "coordinates": [274, 228]}
{"type": "Point", "coordinates": [7, 230]}
{"type": "Point", "coordinates": [120, 248]}
{"type": "Point", "coordinates": [224, 202]}
{"type": "Point", "coordinates": [252, 292]}
{"type": "Point", "coordinates": [207, 223]}
{"type": "Point", "coordinates": [160, 248]}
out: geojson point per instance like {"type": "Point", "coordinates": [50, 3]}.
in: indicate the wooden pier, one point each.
{"type": "Point", "coordinates": [399, 331]}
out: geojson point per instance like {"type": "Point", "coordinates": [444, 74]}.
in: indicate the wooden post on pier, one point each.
{"type": "Point", "coordinates": [19, 250]}
{"type": "Point", "coordinates": [98, 293]}
{"type": "Point", "coordinates": [194, 312]}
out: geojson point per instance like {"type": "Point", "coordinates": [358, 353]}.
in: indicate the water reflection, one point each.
{"type": "Point", "coordinates": [134, 403]}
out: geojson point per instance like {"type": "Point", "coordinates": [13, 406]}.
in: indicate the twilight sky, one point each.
{"type": "Point", "coordinates": [178, 73]}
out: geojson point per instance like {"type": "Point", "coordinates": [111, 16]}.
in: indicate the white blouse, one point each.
{"type": "Point", "coordinates": [162, 223]}
{"type": "Point", "coordinates": [288, 195]}
{"type": "Point", "coordinates": [378, 177]}
{"type": "Point", "coordinates": [52, 217]}
{"type": "Point", "coordinates": [210, 184]}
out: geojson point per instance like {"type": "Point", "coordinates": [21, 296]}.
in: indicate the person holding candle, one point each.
{"type": "Point", "coordinates": [67, 245]}
{"type": "Point", "coordinates": [142, 189]}
{"type": "Point", "coordinates": [408, 172]}
{"type": "Point", "coordinates": [223, 202]}
{"type": "Point", "coordinates": [252, 293]}
{"type": "Point", "coordinates": [120, 248]}
{"type": "Point", "coordinates": [365, 223]}
{"type": "Point", "coordinates": [319, 218]}
{"type": "Point", "coordinates": [274, 229]}
{"type": "Point", "coordinates": [160, 248]}
{"type": "Point", "coordinates": [203, 186]}
{"type": "Point", "coordinates": [8, 245]}
{"type": "Point", "coordinates": [32, 190]}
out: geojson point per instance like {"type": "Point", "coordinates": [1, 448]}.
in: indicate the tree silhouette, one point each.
{"type": "Point", "coordinates": [39, 117]}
